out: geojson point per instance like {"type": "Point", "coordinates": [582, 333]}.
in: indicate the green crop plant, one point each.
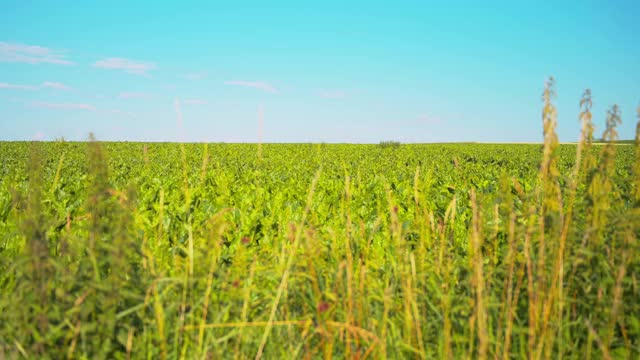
{"type": "Point", "coordinates": [158, 250]}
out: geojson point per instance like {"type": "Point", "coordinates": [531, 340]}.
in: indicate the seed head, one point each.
{"type": "Point", "coordinates": [323, 306]}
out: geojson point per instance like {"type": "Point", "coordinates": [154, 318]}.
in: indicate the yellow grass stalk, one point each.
{"type": "Point", "coordinates": [636, 166]}
{"type": "Point", "coordinates": [289, 263]}
{"type": "Point", "coordinates": [480, 311]}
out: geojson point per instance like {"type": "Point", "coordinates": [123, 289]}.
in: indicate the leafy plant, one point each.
{"type": "Point", "coordinates": [159, 250]}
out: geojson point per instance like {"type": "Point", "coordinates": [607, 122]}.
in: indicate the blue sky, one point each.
{"type": "Point", "coordinates": [332, 71]}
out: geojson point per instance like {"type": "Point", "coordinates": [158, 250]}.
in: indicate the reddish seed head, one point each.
{"type": "Point", "coordinates": [395, 209]}
{"type": "Point", "coordinates": [236, 283]}
{"type": "Point", "coordinates": [323, 306]}
{"type": "Point", "coordinates": [245, 240]}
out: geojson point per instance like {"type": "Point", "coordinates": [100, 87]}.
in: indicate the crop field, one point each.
{"type": "Point", "coordinates": [283, 251]}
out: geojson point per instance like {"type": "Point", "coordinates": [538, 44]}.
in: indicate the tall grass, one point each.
{"type": "Point", "coordinates": [112, 251]}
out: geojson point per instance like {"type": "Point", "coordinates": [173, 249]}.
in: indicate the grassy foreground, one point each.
{"type": "Point", "coordinates": [129, 250]}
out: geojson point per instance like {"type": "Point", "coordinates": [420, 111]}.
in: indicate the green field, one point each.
{"type": "Point", "coordinates": [160, 250]}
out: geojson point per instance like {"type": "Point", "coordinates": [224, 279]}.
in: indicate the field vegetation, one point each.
{"type": "Point", "coordinates": [283, 251]}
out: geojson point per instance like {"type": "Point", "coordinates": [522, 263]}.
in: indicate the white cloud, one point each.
{"type": "Point", "coordinates": [194, 102]}
{"type": "Point", "coordinates": [196, 75]}
{"type": "Point", "coordinates": [428, 119]}
{"type": "Point", "coordinates": [260, 85]}
{"type": "Point", "coordinates": [120, 112]}
{"type": "Point", "coordinates": [133, 95]}
{"type": "Point", "coordinates": [55, 85]}
{"type": "Point", "coordinates": [46, 84]}
{"type": "Point", "coordinates": [17, 87]}
{"type": "Point", "coordinates": [130, 66]}
{"type": "Point", "coordinates": [64, 106]}
{"type": "Point", "coordinates": [31, 54]}
{"type": "Point", "coordinates": [333, 94]}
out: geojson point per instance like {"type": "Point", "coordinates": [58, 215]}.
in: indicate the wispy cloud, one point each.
{"type": "Point", "coordinates": [260, 85]}
{"type": "Point", "coordinates": [180, 123]}
{"type": "Point", "coordinates": [55, 85]}
{"type": "Point", "coordinates": [428, 119]}
{"type": "Point", "coordinates": [17, 87]}
{"type": "Point", "coordinates": [130, 66]}
{"type": "Point", "coordinates": [333, 94]}
{"type": "Point", "coordinates": [133, 95]}
{"type": "Point", "coordinates": [194, 102]}
{"type": "Point", "coordinates": [64, 106]}
{"type": "Point", "coordinates": [31, 54]}
{"type": "Point", "coordinates": [123, 113]}
{"type": "Point", "coordinates": [46, 84]}
{"type": "Point", "coordinates": [196, 75]}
